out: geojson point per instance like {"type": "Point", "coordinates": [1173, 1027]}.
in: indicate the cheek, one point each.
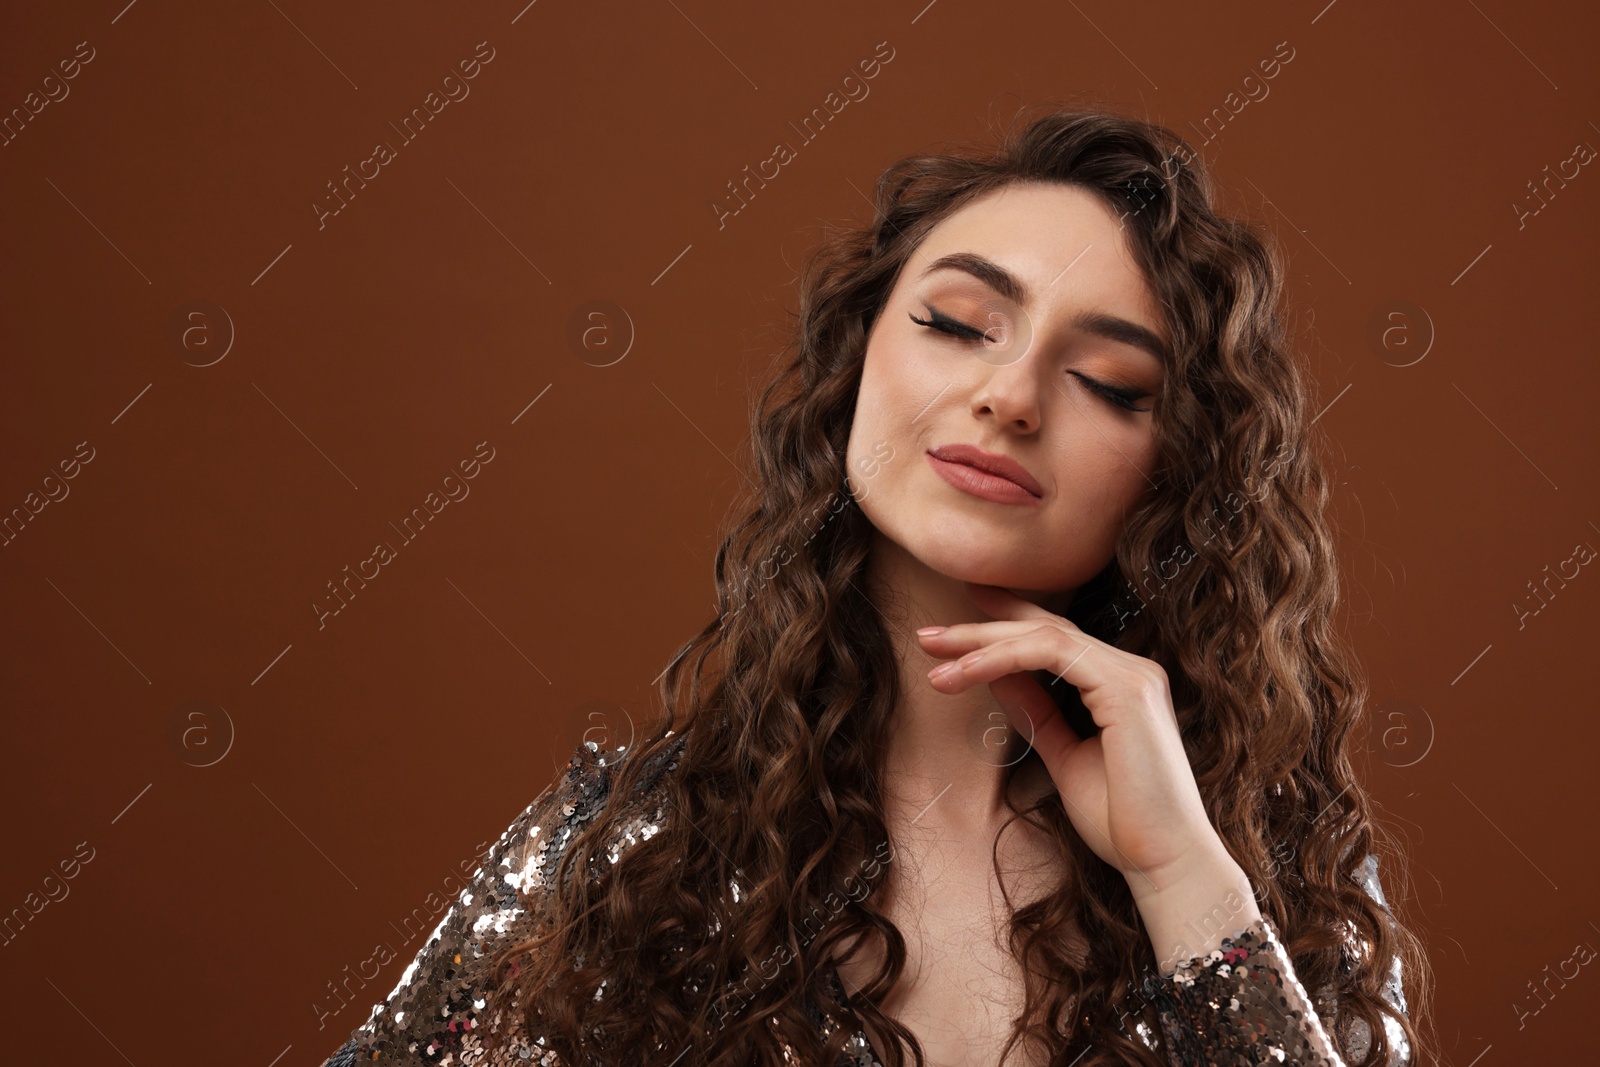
{"type": "Point", "coordinates": [892, 402]}
{"type": "Point", "coordinates": [1127, 484]}
{"type": "Point", "coordinates": [1104, 477]}
{"type": "Point", "coordinates": [866, 426]}
{"type": "Point", "coordinates": [1144, 454]}
{"type": "Point", "coordinates": [1130, 449]}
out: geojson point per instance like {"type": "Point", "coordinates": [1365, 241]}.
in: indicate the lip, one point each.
{"type": "Point", "coordinates": [985, 474]}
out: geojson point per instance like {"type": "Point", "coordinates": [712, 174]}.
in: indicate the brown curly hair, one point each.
{"type": "Point", "coordinates": [1225, 575]}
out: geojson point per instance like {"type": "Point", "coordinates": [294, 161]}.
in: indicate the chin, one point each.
{"type": "Point", "coordinates": [968, 560]}
{"type": "Point", "coordinates": [956, 546]}
{"type": "Point", "coordinates": [967, 563]}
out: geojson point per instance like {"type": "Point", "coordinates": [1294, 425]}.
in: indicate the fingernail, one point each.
{"type": "Point", "coordinates": [929, 631]}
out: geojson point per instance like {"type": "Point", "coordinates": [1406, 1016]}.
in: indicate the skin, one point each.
{"type": "Point", "coordinates": [996, 577]}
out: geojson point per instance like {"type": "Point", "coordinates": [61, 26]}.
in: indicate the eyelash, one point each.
{"type": "Point", "coordinates": [1122, 398]}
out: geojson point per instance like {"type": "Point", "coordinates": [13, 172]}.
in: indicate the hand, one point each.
{"type": "Point", "coordinates": [1129, 791]}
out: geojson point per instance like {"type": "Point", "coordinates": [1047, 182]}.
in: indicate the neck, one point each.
{"type": "Point", "coordinates": [950, 756]}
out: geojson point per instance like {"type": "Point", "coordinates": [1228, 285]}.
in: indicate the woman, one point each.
{"type": "Point", "coordinates": [1040, 423]}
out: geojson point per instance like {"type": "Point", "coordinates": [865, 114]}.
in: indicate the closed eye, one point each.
{"type": "Point", "coordinates": [945, 324]}
{"type": "Point", "coordinates": [1122, 398]}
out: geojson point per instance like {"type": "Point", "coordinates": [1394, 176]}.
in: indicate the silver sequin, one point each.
{"type": "Point", "coordinates": [1241, 1004]}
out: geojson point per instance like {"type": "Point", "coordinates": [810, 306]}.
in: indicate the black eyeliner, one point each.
{"type": "Point", "coordinates": [1123, 398]}
{"type": "Point", "coordinates": [945, 324]}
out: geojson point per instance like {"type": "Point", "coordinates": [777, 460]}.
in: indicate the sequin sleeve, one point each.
{"type": "Point", "coordinates": [1393, 986]}
{"type": "Point", "coordinates": [1240, 1004]}
{"type": "Point", "coordinates": [1243, 1004]}
{"type": "Point", "coordinates": [444, 1006]}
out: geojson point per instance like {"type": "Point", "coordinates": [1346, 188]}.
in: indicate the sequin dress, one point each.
{"type": "Point", "coordinates": [1241, 1004]}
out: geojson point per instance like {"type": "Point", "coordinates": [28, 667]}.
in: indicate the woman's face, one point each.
{"type": "Point", "coordinates": [1043, 271]}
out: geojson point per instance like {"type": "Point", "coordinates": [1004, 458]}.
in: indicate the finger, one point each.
{"type": "Point", "coordinates": [999, 601]}
{"type": "Point", "coordinates": [1035, 716]}
{"type": "Point", "coordinates": [963, 636]}
{"type": "Point", "coordinates": [1042, 648]}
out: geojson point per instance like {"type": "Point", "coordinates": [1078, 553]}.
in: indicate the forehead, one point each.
{"type": "Point", "coordinates": [1062, 242]}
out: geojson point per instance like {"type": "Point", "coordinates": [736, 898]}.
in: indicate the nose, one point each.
{"type": "Point", "coordinates": [1009, 390]}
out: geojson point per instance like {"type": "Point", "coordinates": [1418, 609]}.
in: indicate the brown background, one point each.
{"type": "Point", "coordinates": [352, 768]}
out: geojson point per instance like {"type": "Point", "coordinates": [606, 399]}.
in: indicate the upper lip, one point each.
{"type": "Point", "coordinates": [990, 462]}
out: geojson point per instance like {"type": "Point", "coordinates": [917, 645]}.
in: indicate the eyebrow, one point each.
{"type": "Point", "coordinates": [1098, 323]}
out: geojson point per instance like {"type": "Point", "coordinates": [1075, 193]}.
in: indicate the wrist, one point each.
{"type": "Point", "coordinates": [1192, 910]}
{"type": "Point", "coordinates": [1206, 864]}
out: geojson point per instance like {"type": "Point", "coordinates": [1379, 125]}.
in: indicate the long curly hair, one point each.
{"type": "Point", "coordinates": [704, 944]}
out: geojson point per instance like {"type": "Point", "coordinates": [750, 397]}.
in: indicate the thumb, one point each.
{"type": "Point", "coordinates": [1035, 716]}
